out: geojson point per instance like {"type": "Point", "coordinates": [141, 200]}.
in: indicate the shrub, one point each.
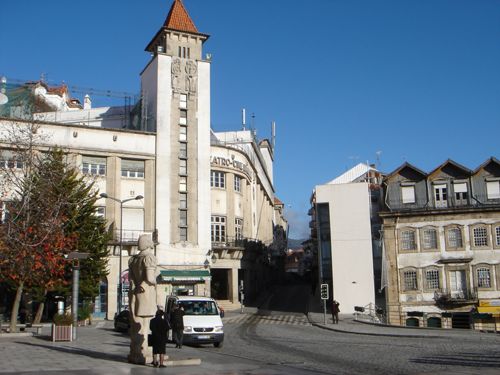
{"type": "Point", "coordinates": [84, 312]}
{"type": "Point", "coordinates": [65, 319]}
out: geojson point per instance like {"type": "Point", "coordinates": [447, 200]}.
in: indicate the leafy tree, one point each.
{"type": "Point", "coordinates": [50, 210]}
{"type": "Point", "coordinates": [33, 235]}
{"type": "Point", "coordinates": [83, 228]}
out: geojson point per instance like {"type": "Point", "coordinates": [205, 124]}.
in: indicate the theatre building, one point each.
{"type": "Point", "coordinates": [206, 198]}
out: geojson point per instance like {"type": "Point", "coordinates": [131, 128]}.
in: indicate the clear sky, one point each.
{"type": "Point", "coordinates": [417, 80]}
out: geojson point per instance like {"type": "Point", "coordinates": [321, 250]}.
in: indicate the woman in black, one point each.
{"type": "Point", "coordinates": [159, 328]}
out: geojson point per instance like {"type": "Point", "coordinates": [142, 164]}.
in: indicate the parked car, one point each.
{"type": "Point", "coordinates": [122, 321]}
{"type": "Point", "coordinates": [202, 319]}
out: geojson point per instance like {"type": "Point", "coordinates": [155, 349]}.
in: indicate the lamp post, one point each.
{"type": "Point", "coordinates": [120, 286]}
{"type": "Point", "coordinates": [75, 287]}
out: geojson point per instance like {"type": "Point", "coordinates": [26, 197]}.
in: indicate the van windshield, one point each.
{"type": "Point", "coordinates": [199, 307]}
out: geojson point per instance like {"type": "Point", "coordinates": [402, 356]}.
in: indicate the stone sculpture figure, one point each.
{"type": "Point", "coordinates": [176, 75]}
{"type": "Point", "coordinates": [142, 297]}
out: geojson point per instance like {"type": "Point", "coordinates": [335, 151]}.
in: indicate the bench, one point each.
{"type": "Point", "coordinates": [30, 325]}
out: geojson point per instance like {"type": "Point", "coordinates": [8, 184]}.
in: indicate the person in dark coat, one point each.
{"type": "Point", "coordinates": [177, 321]}
{"type": "Point", "coordinates": [159, 328]}
{"type": "Point", "coordinates": [335, 312]}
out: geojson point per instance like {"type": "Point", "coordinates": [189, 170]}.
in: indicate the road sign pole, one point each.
{"type": "Point", "coordinates": [324, 310]}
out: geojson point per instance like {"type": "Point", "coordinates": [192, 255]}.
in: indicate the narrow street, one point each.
{"type": "Point", "coordinates": [282, 335]}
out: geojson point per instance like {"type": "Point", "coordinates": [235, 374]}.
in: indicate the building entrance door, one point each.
{"type": "Point", "coordinates": [458, 283]}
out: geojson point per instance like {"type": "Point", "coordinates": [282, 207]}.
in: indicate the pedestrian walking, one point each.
{"type": "Point", "coordinates": [335, 312]}
{"type": "Point", "coordinates": [177, 321]}
{"type": "Point", "coordinates": [159, 328]}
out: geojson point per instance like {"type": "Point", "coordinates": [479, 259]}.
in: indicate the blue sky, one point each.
{"type": "Point", "coordinates": [417, 80]}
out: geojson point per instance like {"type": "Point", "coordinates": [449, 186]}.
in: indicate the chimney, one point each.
{"type": "Point", "coordinates": [87, 102]}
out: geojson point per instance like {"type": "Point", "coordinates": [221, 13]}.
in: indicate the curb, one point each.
{"type": "Point", "coordinates": [379, 334]}
{"type": "Point", "coordinates": [15, 335]}
{"type": "Point", "coordinates": [183, 362]}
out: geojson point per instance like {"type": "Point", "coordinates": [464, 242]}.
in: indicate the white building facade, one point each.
{"type": "Point", "coordinates": [164, 151]}
{"type": "Point", "coordinates": [344, 223]}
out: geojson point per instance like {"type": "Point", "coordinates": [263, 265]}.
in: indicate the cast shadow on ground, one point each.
{"type": "Point", "coordinates": [82, 352]}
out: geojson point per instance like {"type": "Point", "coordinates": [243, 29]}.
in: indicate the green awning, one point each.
{"type": "Point", "coordinates": [185, 275]}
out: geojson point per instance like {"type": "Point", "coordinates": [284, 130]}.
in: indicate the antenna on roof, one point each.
{"type": "Point", "coordinates": [354, 158]}
{"type": "Point", "coordinates": [273, 128]}
{"type": "Point", "coordinates": [243, 115]}
{"type": "Point", "coordinates": [379, 165]}
{"type": "Point", "coordinates": [46, 76]}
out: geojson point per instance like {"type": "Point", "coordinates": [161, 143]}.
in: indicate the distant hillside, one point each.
{"type": "Point", "coordinates": [295, 244]}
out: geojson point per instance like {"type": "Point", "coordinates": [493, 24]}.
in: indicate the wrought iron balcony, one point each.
{"type": "Point", "coordinates": [422, 204]}
{"type": "Point", "coordinates": [445, 297]}
{"type": "Point", "coordinates": [226, 242]}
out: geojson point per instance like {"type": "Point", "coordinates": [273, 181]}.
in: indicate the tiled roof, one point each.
{"type": "Point", "coordinates": [178, 18]}
{"type": "Point", "coordinates": [276, 200]}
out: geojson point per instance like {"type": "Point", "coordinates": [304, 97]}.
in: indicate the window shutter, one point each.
{"type": "Point", "coordinates": [133, 219]}
{"type": "Point", "coordinates": [408, 194]}
{"type": "Point", "coordinates": [493, 189]}
{"type": "Point", "coordinates": [93, 160]}
{"type": "Point", "coordinates": [460, 188]}
{"type": "Point", "coordinates": [133, 165]}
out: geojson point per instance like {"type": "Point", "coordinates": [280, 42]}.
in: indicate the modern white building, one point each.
{"type": "Point", "coordinates": [345, 224]}
{"type": "Point", "coordinates": [207, 198]}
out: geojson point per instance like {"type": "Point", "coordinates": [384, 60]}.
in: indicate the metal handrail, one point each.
{"type": "Point", "coordinates": [371, 314]}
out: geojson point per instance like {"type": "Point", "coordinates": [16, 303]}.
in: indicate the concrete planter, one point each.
{"type": "Point", "coordinates": [62, 333]}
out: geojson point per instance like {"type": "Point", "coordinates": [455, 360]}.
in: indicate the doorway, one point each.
{"type": "Point", "coordinates": [458, 283]}
{"type": "Point", "coordinates": [219, 285]}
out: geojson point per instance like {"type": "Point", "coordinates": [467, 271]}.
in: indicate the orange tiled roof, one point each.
{"type": "Point", "coordinates": [276, 200]}
{"type": "Point", "coordinates": [178, 18]}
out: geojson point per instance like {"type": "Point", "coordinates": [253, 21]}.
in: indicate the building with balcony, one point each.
{"type": "Point", "coordinates": [207, 198]}
{"type": "Point", "coordinates": [441, 237]}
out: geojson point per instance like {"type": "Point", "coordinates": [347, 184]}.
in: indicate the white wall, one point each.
{"type": "Point", "coordinates": [352, 261]}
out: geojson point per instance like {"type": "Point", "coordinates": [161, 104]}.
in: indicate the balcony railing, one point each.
{"type": "Point", "coordinates": [130, 235]}
{"type": "Point", "coordinates": [226, 242]}
{"type": "Point", "coordinates": [444, 296]}
{"type": "Point", "coordinates": [423, 204]}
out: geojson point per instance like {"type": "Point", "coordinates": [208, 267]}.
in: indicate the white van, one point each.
{"type": "Point", "coordinates": [202, 320]}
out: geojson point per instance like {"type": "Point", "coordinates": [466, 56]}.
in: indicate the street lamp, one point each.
{"type": "Point", "coordinates": [120, 286]}
{"type": "Point", "coordinates": [75, 287]}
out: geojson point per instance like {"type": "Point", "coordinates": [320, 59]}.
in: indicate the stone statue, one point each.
{"type": "Point", "coordinates": [142, 297]}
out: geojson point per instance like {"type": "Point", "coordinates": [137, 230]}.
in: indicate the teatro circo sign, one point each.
{"type": "Point", "coordinates": [232, 163]}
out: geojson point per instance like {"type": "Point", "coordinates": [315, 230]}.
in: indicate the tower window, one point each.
{"type": "Point", "coordinates": [183, 101]}
{"type": "Point", "coordinates": [183, 133]}
{"type": "Point", "coordinates": [182, 183]}
{"type": "Point", "coordinates": [183, 150]}
{"type": "Point", "coordinates": [183, 166]}
{"type": "Point", "coordinates": [183, 234]}
{"type": "Point", "coordinates": [183, 118]}
{"type": "Point", "coordinates": [183, 200]}
{"type": "Point", "coordinates": [183, 217]}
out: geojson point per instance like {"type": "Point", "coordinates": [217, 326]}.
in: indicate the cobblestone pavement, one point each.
{"type": "Point", "coordinates": [100, 350]}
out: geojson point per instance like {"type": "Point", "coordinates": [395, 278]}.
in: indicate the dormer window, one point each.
{"type": "Point", "coordinates": [408, 192]}
{"type": "Point", "coordinates": [493, 188]}
{"type": "Point", "coordinates": [460, 189]}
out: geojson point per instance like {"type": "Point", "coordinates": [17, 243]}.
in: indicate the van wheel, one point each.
{"type": "Point", "coordinates": [218, 344]}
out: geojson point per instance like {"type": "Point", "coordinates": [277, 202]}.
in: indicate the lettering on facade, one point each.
{"type": "Point", "coordinates": [225, 162]}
